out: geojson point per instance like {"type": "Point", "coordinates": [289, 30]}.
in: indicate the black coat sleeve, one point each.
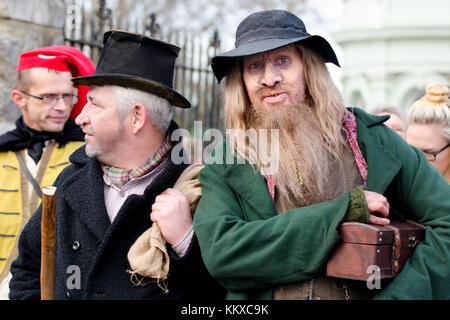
{"type": "Point", "coordinates": [191, 267]}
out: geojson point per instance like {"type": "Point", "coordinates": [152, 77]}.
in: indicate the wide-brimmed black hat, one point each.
{"type": "Point", "coordinates": [267, 30]}
{"type": "Point", "coordinates": [136, 61]}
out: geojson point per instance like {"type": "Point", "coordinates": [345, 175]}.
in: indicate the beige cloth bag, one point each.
{"type": "Point", "coordinates": [148, 256]}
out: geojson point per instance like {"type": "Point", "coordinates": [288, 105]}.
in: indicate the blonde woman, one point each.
{"type": "Point", "coordinates": [429, 127]}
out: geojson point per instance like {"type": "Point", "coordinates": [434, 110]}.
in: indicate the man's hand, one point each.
{"type": "Point", "coordinates": [172, 214]}
{"type": "Point", "coordinates": [379, 204]}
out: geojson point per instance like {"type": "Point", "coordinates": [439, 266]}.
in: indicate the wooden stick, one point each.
{"type": "Point", "coordinates": [48, 240]}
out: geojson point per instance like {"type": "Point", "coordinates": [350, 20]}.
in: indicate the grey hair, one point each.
{"type": "Point", "coordinates": [159, 109]}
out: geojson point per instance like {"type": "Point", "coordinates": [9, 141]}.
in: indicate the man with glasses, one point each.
{"type": "Point", "coordinates": [37, 150]}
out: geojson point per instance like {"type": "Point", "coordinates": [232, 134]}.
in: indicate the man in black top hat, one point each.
{"type": "Point", "coordinates": [268, 227]}
{"type": "Point", "coordinates": [123, 173]}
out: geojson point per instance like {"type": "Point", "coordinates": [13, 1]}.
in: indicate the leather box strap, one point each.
{"type": "Point", "coordinates": [396, 248]}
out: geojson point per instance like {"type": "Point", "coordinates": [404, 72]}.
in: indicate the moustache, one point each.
{"type": "Point", "coordinates": [86, 131]}
{"type": "Point", "coordinates": [266, 91]}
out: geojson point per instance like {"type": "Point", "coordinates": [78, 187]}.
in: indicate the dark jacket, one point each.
{"type": "Point", "coordinates": [87, 243]}
{"type": "Point", "coordinates": [251, 249]}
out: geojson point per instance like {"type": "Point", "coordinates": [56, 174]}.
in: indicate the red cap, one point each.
{"type": "Point", "coordinates": [62, 58]}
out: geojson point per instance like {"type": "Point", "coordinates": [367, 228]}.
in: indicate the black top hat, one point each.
{"type": "Point", "coordinates": [137, 61]}
{"type": "Point", "coordinates": [267, 30]}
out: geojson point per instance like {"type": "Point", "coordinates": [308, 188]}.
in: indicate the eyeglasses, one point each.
{"type": "Point", "coordinates": [431, 156]}
{"type": "Point", "coordinates": [52, 99]}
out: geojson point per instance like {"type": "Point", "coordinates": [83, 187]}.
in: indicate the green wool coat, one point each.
{"type": "Point", "coordinates": [250, 249]}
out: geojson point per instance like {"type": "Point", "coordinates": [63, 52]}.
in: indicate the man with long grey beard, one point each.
{"type": "Point", "coordinates": [269, 235]}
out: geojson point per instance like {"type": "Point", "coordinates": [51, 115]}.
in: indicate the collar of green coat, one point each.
{"type": "Point", "coordinates": [368, 119]}
{"type": "Point", "coordinates": [373, 140]}
{"type": "Point", "coordinates": [244, 180]}
{"type": "Point", "coordinates": [383, 166]}
{"type": "Point", "coordinates": [251, 187]}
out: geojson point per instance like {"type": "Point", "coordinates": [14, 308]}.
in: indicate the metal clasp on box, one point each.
{"type": "Point", "coordinates": [413, 242]}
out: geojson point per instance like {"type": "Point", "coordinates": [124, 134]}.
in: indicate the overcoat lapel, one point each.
{"type": "Point", "coordinates": [88, 206]}
{"type": "Point", "coordinates": [381, 163]}
{"type": "Point", "coordinates": [160, 183]}
{"type": "Point", "coordinates": [254, 190]}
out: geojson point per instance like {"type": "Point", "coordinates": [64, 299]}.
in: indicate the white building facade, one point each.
{"type": "Point", "coordinates": [392, 49]}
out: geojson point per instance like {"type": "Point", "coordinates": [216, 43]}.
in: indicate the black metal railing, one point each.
{"type": "Point", "coordinates": [84, 29]}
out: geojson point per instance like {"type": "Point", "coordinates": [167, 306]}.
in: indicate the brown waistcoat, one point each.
{"type": "Point", "coordinates": [342, 179]}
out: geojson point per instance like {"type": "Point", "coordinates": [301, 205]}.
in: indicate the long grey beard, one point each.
{"type": "Point", "coordinates": [304, 161]}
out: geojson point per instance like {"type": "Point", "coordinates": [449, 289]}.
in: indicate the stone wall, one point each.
{"type": "Point", "coordinates": [24, 25]}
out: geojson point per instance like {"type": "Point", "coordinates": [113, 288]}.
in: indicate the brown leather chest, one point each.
{"type": "Point", "coordinates": [366, 247]}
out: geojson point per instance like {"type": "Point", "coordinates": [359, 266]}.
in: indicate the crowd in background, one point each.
{"type": "Point", "coordinates": [427, 126]}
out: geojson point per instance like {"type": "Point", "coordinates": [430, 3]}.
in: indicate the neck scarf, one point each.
{"type": "Point", "coordinates": [119, 177]}
{"type": "Point", "coordinates": [23, 137]}
{"type": "Point", "coordinates": [349, 123]}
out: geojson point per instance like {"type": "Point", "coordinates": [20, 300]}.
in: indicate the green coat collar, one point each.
{"type": "Point", "coordinates": [368, 119]}
{"type": "Point", "coordinates": [254, 190]}
{"type": "Point", "coordinates": [382, 165]}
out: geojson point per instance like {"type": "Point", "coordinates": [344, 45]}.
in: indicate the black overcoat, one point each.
{"type": "Point", "coordinates": [88, 245]}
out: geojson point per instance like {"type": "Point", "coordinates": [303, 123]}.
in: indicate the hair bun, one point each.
{"type": "Point", "coordinates": [437, 93]}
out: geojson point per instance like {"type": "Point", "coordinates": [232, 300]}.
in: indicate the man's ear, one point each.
{"type": "Point", "coordinates": [19, 99]}
{"type": "Point", "coordinates": [138, 117]}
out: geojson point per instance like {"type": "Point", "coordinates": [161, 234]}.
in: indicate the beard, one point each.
{"type": "Point", "coordinates": [304, 159]}
{"type": "Point", "coordinates": [103, 146]}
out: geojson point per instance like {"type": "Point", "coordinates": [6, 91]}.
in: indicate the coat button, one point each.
{"type": "Point", "coordinates": [76, 246]}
